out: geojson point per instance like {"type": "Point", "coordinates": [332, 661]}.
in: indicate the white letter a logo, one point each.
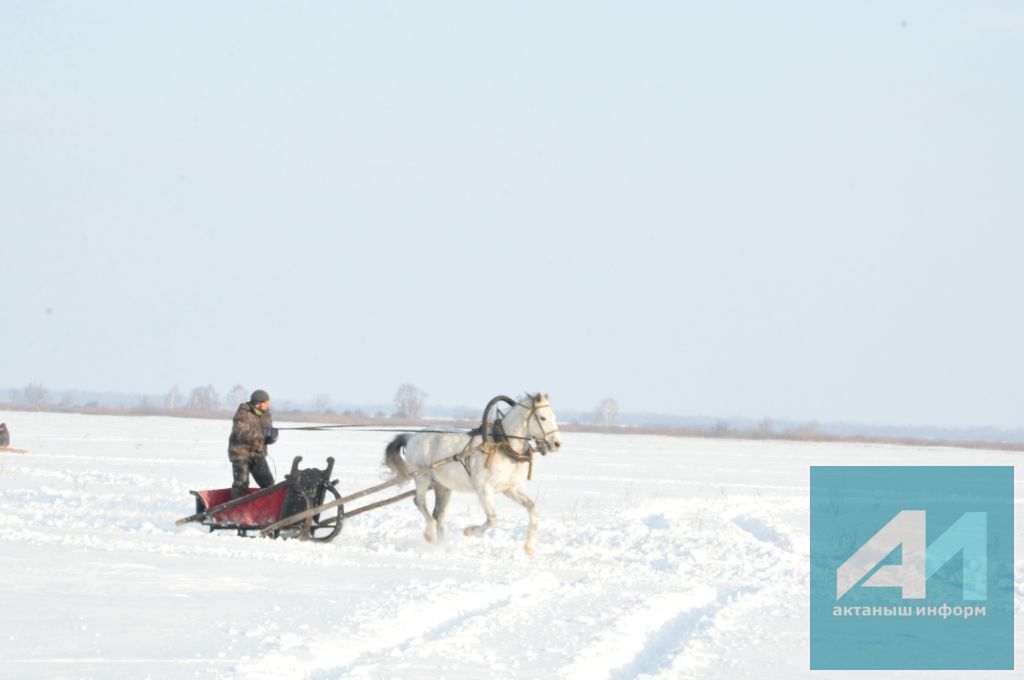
{"type": "Point", "coordinates": [906, 529]}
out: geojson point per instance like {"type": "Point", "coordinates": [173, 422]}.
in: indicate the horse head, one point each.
{"type": "Point", "coordinates": [541, 423]}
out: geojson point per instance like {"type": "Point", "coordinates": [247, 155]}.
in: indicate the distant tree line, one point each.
{"type": "Point", "coordinates": [409, 401]}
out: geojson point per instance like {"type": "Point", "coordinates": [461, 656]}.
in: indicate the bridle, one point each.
{"type": "Point", "coordinates": [542, 442]}
{"type": "Point", "coordinates": [532, 441]}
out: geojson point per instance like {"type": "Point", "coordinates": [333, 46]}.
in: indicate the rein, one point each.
{"type": "Point", "coordinates": [370, 428]}
{"type": "Point", "coordinates": [402, 430]}
{"type": "Point", "coordinates": [494, 438]}
{"type": "Point", "coordinates": [398, 429]}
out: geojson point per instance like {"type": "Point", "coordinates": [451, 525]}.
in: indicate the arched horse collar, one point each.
{"type": "Point", "coordinates": [491, 429]}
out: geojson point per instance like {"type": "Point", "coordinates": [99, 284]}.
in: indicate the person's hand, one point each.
{"type": "Point", "coordinates": [270, 433]}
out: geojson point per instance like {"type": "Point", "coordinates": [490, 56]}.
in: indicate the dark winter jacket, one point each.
{"type": "Point", "coordinates": [5, 436]}
{"type": "Point", "coordinates": [247, 440]}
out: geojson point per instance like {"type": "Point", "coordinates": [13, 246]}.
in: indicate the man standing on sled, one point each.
{"type": "Point", "coordinates": [251, 432]}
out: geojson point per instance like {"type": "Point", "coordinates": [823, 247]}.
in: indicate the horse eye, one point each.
{"type": "Point", "coordinates": [543, 418]}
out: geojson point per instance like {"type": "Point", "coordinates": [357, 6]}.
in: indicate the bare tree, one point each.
{"type": "Point", "coordinates": [235, 396]}
{"type": "Point", "coordinates": [34, 394]}
{"type": "Point", "coordinates": [409, 401]}
{"type": "Point", "coordinates": [174, 400]}
{"type": "Point", "coordinates": [203, 399]}
{"type": "Point", "coordinates": [607, 411]}
{"type": "Point", "coordinates": [322, 403]}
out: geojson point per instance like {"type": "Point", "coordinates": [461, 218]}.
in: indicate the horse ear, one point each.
{"type": "Point", "coordinates": [536, 397]}
{"type": "Point", "coordinates": [546, 397]}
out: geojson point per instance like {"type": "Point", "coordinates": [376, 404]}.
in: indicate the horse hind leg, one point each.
{"type": "Point", "coordinates": [422, 487]}
{"type": "Point", "coordinates": [442, 496]}
{"type": "Point", "coordinates": [518, 494]}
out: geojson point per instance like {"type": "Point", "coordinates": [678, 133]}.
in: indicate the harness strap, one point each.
{"type": "Point", "coordinates": [490, 449]}
{"type": "Point", "coordinates": [499, 432]}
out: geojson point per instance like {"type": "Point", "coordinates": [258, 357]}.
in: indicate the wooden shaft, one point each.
{"type": "Point", "coordinates": [298, 517]}
{"type": "Point", "coordinates": [367, 492]}
{"type": "Point", "coordinates": [378, 504]}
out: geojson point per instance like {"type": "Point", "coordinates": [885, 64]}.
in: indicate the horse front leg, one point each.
{"type": "Point", "coordinates": [422, 487]}
{"type": "Point", "coordinates": [518, 494]}
{"type": "Point", "coordinates": [486, 496]}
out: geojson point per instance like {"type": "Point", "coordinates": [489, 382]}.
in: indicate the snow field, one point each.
{"type": "Point", "coordinates": [657, 557]}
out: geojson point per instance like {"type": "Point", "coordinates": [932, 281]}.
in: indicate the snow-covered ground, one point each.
{"type": "Point", "coordinates": [657, 557]}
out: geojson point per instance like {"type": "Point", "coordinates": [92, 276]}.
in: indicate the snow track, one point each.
{"type": "Point", "coordinates": [657, 558]}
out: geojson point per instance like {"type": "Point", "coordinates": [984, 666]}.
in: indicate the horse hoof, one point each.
{"type": "Point", "coordinates": [529, 549]}
{"type": "Point", "coordinates": [429, 537]}
{"type": "Point", "coordinates": [468, 531]}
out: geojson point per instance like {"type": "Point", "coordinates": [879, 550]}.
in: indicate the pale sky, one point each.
{"type": "Point", "coordinates": [805, 210]}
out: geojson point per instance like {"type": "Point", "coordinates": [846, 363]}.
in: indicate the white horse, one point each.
{"type": "Point", "coordinates": [483, 463]}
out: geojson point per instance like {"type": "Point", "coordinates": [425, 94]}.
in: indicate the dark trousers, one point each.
{"type": "Point", "coordinates": [242, 467]}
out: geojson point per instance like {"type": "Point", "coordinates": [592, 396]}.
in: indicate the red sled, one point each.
{"type": "Point", "coordinates": [301, 490]}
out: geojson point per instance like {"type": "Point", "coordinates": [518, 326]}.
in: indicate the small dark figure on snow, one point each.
{"type": "Point", "coordinates": [5, 436]}
{"type": "Point", "coordinates": [252, 430]}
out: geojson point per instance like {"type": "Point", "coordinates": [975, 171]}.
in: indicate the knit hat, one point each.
{"type": "Point", "coordinates": [258, 397]}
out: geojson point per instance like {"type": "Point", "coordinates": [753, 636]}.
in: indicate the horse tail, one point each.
{"type": "Point", "coordinates": [393, 456]}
